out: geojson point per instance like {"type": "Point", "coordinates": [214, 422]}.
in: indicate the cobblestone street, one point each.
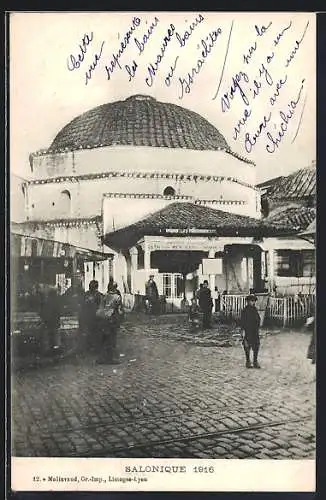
{"type": "Point", "coordinates": [174, 395]}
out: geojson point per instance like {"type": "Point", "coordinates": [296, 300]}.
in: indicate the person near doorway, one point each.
{"type": "Point", "coordinates": [109, 314]}
{"type": "Point", "coordinates": [91, 303]}
{"type": "Point", "coordinates": [216, 299]}
{"type": "Point", "coordinates": [206, 304]}
{"type": "Point", "coordinates": [250, 323]}
{"type": "Point", "coordinates": [199, 291]}
{"type": "Point", "coordinates": [152, 295]}
{"type": "Point", "coordinates": [194, 314]}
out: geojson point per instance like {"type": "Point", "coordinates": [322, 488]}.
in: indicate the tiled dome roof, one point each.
{"type": "Point", "coordinates": [139, 121]}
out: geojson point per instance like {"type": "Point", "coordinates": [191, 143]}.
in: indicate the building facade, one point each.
{"type": "Point", "coordinates": [141, 163]}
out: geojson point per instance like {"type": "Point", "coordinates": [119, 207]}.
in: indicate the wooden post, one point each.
{"type": "Point", "coordinates": [285, 311]}
{"type": "Point", "coordinates": [74, 272]}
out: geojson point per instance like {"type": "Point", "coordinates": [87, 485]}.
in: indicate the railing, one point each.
{"type": "Point", "coordinates": [285, 311]}
{"type": "Point", "coordinates": [290, 310]}
{"type": "Point", "coordinates": [232, 305]}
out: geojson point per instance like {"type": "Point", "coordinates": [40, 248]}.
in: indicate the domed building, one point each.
{"type": "Point", "coordinates": [150, 188]}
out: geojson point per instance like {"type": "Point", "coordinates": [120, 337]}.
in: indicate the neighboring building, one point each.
{"type": "Point", "coordinates": [17, 198]}
{"type": "Point", "coordinates": [291, 201]}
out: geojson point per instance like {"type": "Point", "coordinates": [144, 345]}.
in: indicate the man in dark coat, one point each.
{"type": "Point", "coordinates": [206, 304]}
{"type": "Point", "coordinates": [91, 303]}
{"type": "Point", "coordinates": [250, 322]}
{"type": "Point", "coordinates": [152, 294]}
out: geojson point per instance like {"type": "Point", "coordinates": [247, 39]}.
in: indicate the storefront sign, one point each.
{"type": "Point", "coordinates": [188, 231]}
{"type": "Point", "coordinates": [212, 266]}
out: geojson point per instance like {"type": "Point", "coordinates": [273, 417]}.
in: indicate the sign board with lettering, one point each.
{"type": "Point", "coordinates": [213, 266]}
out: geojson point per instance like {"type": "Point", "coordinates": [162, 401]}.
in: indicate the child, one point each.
{"type": "Point", "coordinates": [194, 314]}
{"type": "Point", "coordinates": [250, 322]}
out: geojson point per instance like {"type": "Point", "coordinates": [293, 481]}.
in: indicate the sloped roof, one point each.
{"type": "Point", "coordinates": [310, 230]}
{"type": "Point", "coordinates": [294, 217]}
{"type": "Point", "coordinates": [298, 185]}
{"type": "Point", "coordinates": [197, 219]}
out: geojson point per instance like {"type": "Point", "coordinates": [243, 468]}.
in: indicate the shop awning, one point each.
{"type": "Point", "coordinates": [30, 246]}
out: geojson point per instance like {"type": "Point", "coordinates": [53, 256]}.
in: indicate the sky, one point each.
{"type": "Point", "coordinates": [251, 75]}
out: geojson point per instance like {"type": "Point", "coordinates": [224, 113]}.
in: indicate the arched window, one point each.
{"type": "Point", "coordinates": [65, 202]}
{"type": "Point", "coordinates": [169, 191]}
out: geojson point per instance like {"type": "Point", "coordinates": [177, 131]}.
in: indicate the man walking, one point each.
{"type": "Point", "coordinates": [250, 323]}
{"type": "Point", "coordinates": [206, 304]}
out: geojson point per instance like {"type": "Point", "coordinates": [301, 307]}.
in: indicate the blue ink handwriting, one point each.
{"type": "Point", "coordinates": [131, 70]}
{"type": "Point", "coordinates": [235, 86]}
{"type": "Point", "coordinates": [187, 81]}
{"type": "Point", "coordinates": [93, 65]}
{"type": "Point", "coordinates": [241, 123]}
{"type": "Point", "coordinates": [281, 33]}
{"type": "Point", "coordinates": [251, 50]}
{"type": "Point", "coordinates": [274, 142]}
{"type": "Point", "coordinates": [75, 62]}
{"type": "Point", "coordinates": [224, 62]}
{"type": "Point", "coordinates": [261, 30]}
{"type": "Point", "coordinates": [145, 38]}
{"type": "Point", "coordinates": [170, 74]}
{"type": "Point", "coordinates": [250, 140]}
{"type": "Point", "coordinates": [187, 34]}
{"type": "Point", "coordinates": [123, 45]}
{"type": "Point", "coordinates": [279, 85]}
{"type": "Point", "coordinates": [153, 68]}
{"type": "Point", "coordinates": [296, 47]}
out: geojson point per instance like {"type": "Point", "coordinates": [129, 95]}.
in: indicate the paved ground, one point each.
{"type": "Point", "coordinates": [174, 395]}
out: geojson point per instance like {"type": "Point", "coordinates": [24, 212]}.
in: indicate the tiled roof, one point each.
{"type": "Point", "coordinates": [188, 216]}
{"type": "Point", "coordinates": [140, 121]}
{"type": "Point", "coordinates": [300, 184]}
{"type": "Point", "coordinates": [310, 230]}
{"type": "Point", "coordinates": [294, 217]}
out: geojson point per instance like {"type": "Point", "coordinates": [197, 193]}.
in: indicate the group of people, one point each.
{"type": "Point", "coordinates": [99, 317]}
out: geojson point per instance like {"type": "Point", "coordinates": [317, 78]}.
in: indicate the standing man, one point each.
{"type": "Point", "coordinates": [206, 304]}
{"type": "Point", "coordinates": [216, 299]}
{"type": "Point", "coordinates": [250, 323]}
{"type": "Point", "coordinates": [111, 313]}
{"type": "Point", "coordinates": [152, 295]}
{"type": "Point", "coordinates": [91, 303]}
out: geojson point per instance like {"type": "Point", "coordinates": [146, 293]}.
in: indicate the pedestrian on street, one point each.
{"type": "Point", "coordinates": [206, 305]}
{"type": "Point", "coordinates": [152, 295]}
{"type": "Point", "coordinates": [50, 313]}
{"type": "Point", "coordinates": [216, 299]}
{"type": "Point", "coordinates": [310, 324]}
{"type": "Point", "coordinates": [89, 320]}
{"type": "Point", "coordinates": [250, 323]}
{"type": "Point", "coordinates": [109, 314]}
{"type": "Point", "coordinates": [194, 314]}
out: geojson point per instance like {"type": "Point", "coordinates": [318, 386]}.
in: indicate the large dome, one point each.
{"type": "Point", "coordinates": [139, 121]}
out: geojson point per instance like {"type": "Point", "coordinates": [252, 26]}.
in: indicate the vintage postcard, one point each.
{"type": "Point", "coordinates": [163, 204]}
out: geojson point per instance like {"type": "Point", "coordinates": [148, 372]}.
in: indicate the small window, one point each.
{"type": "Point", "coordinates": [293, 263]}
{"type": "Point", "coordinates": [169, 191]}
